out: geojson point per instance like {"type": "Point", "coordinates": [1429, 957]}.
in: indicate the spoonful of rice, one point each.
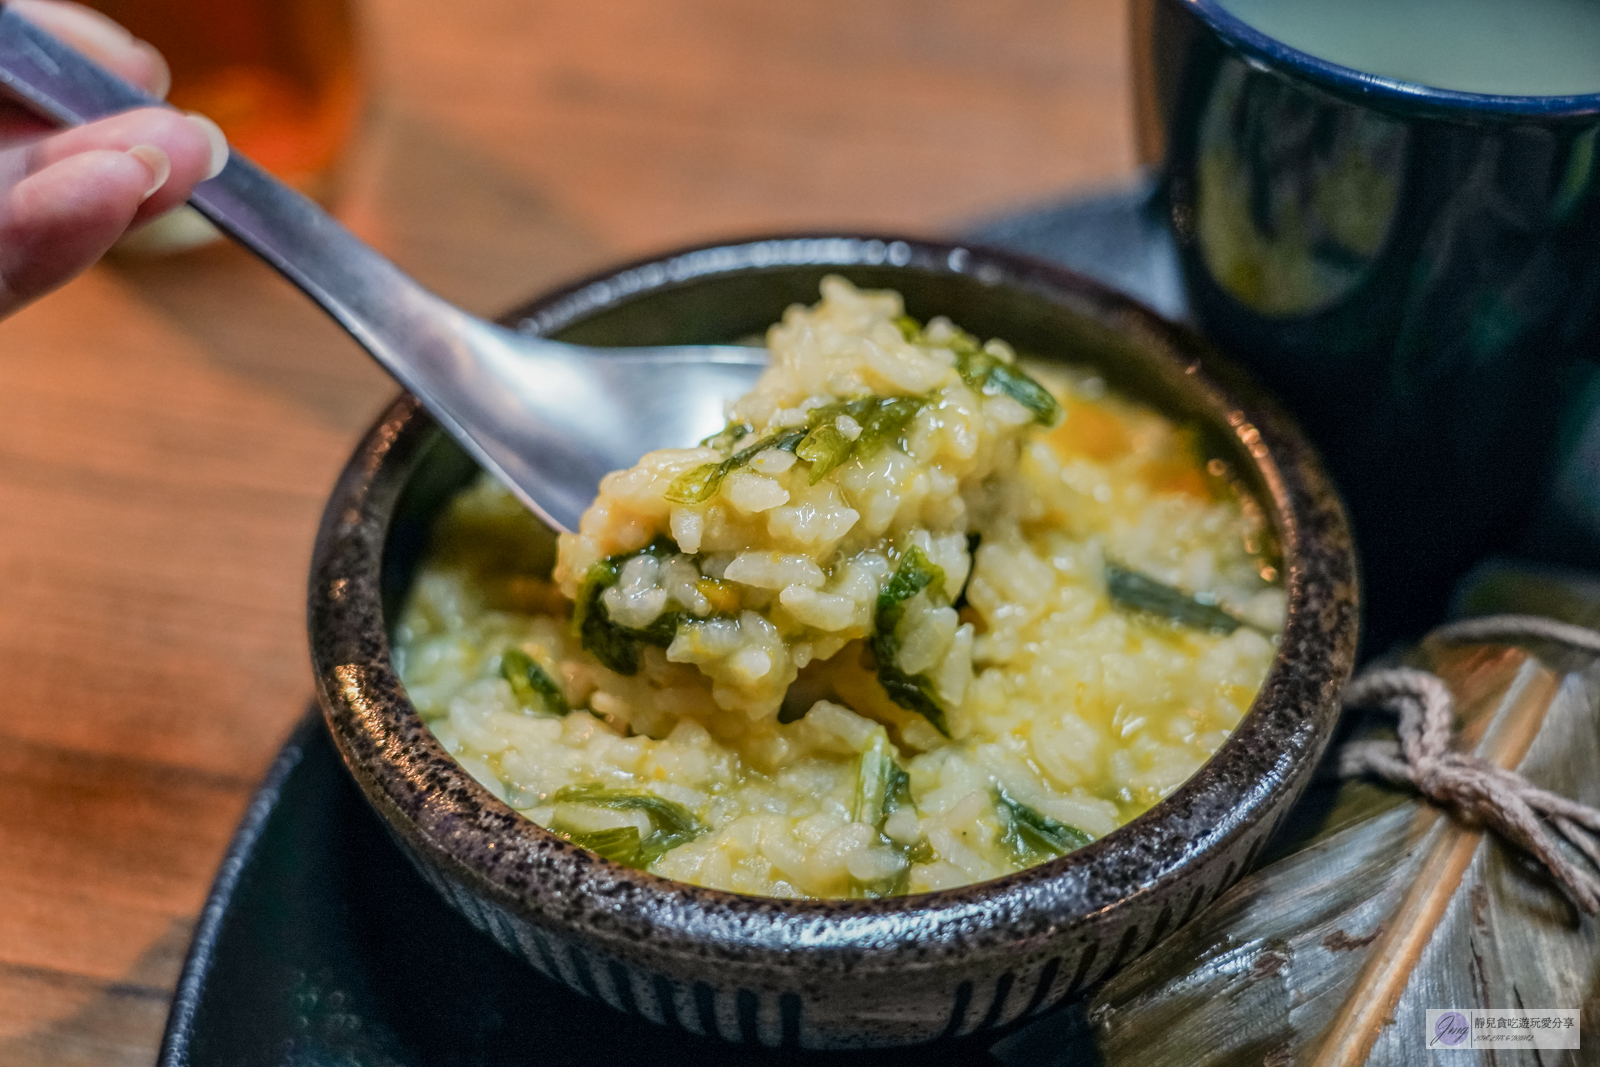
{"type": "Point", "coordinates": [549, 419]}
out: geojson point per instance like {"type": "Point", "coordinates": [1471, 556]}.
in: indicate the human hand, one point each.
{"type": "Point", "coordinates": [66, 196]}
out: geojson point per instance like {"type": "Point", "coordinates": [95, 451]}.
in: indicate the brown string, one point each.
{"type": "Point", "coordinates": [1473, 788]}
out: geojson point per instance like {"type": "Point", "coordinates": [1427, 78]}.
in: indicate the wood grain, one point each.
{"type": "Point", "coordinates": [170, 427]}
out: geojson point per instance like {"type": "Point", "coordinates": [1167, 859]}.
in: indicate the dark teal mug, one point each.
{"type": "Point", "coordinates": [1414, 271]}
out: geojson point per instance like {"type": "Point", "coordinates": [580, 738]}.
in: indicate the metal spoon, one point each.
{"type": "Point", "coordinates": [550, 419]}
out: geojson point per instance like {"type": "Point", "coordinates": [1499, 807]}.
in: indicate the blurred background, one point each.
{"type": "Point", "coordinates": [173, 423]}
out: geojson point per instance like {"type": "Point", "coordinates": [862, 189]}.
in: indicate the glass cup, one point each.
{"type": "Point", "coordinates": [282, 78]}
{"type": "Point", "coordinates": [1415, 271]}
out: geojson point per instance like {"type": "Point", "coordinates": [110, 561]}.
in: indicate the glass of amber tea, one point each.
{"type": "Point", "coordinates": [282, 78]}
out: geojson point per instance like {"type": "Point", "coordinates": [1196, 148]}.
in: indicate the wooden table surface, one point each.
{"type": "Point", "coordinates": [170, 428]}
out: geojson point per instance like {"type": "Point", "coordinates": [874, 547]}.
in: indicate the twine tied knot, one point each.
{"type": "Point", "coordinates": [1475, 789]}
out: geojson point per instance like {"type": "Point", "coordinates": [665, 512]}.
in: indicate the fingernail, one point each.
{"type": "Point", "coordinates": [92, 26]}
{"type": "Point", "coordinates": [217, 139]}
{"type": "Point", "coordinates": [156, 161]}
{"type": "Point", "coordinates": [99, 37]}
{"type": "Point", "coordinates": [160, 74]}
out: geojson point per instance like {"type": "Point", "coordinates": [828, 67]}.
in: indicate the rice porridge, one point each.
{"type": "Point", "coordinates": [916, 618]}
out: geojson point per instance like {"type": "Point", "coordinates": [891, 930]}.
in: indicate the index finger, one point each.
{"type": "Point", "coordinates": [102, 40]}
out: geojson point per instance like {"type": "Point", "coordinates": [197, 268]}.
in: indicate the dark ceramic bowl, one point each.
{"type": "Point", "coordinates": [837, 973]}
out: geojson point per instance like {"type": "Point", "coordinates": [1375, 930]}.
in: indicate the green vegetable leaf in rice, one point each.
{"type": "Point", "coordinates": [875, 782]}
{"type": "Point", "coordinates": [618, 646]}
{"type": "Point", "coordinates": [1140, 592]}
{"type": "Point", "coordinates": [1033, 836]}
{"type": "Point", "coordinates": [898, 793]}
{"type": "Point", "coordinates": [989, 374]}
{"type": "Point", "coordinates": [619, 844]}
{"type": "Point", "coordinates": [894, 886]}
{"type": "Point", "coordinates": [882, 788]}
{"type": "Point", "coordinates": [821, 443]}
{"type": "Point", "coordinates": [824, 448]}
{"type": "Point", "coordinates": [673, 823]}
{"type": "Point", "coordinates": [882, 419]}
{"type": "Point", "coordinates": [669, 816]}
{"type": "Point", "coordinates": [699, 484]}
{"type": "Point", "coordinates": [531, 684]}
{"type": "Point", "coordinates": [885, 422]}
{"type": "Point", "coordinates": [974, 539]}
{"type": "Point", "coordinates": [728, 436]}
{"type": "Point", "coordinates": [607, 642]}
{"type": "Point", "coordinates": [993, 376]}
{"type": "Point", "coordinates": [915, 573]}
{"type": "Point", "coordinates": [914, 692]}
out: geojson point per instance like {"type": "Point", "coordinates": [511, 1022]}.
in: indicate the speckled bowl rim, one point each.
{"type": "Point", "coordinates": [456, 823]}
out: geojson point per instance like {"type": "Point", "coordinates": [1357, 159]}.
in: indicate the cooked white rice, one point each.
{"type": "Point", "coordinates": [760, 710]}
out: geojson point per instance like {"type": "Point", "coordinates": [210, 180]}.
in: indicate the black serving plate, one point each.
{"type": "Point", "coordinates": [320, 947]}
